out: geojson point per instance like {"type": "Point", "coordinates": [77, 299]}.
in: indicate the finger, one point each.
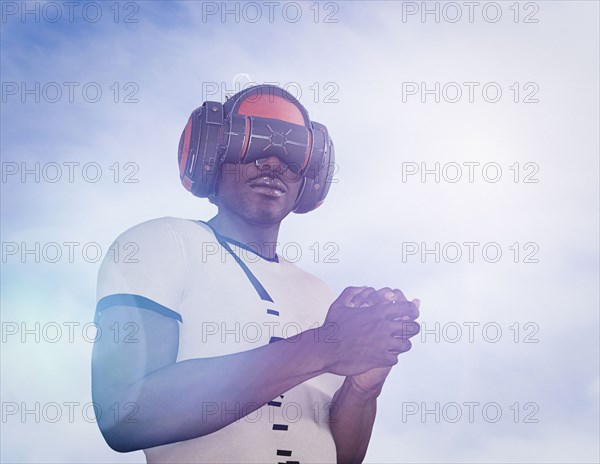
{"type": "Point", "coordinates": [387, 295]}
{"type": "Point", "coordinates": [401, 309]}
{"type": "Point", "coordinates": [347, 294]}
{"type": "Point", "coordinates": [406, 329]}
{"type": "Point", "coordinates": [400, 345]}
{"type": "Point", "coordinates": [381, 296]}
{"type": "Point", "coordinates": [391, 358]}
{"type": "Point", "coordinates": [384, 295]}
{"type": "Point", "coordinates": [417, 303]}
{"type": "Point", "coordinates": [399, 296]}
{"type": "Point", "coordinates": [360, 298]}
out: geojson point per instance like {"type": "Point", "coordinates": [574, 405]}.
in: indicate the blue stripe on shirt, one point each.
{"type": "Point", "coordinates": [136, 301]}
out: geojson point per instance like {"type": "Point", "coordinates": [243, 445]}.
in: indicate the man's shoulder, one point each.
{"type": "Point", "coordinates": [161, 240]}
{"type": "Point", "coordinates": [166, 227]}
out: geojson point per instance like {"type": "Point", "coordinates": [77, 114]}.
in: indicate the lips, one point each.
{"type": "Point", "coordinates": [270, 186]}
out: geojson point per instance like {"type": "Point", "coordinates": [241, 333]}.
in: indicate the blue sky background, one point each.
{"type": "Point", "coordinates": [171, 54]}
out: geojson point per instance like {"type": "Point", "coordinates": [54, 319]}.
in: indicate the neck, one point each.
{"type": "Point", "coordinates": [263, 236]}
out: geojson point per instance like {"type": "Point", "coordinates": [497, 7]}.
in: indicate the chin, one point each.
{"type": "Point", "coordinates": [268, 216]}
{"type": "Point", "coordinates": [259, 210]}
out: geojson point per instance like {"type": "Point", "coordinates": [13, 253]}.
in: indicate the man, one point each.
{"type": "Point", "coordinates": [216, 349]}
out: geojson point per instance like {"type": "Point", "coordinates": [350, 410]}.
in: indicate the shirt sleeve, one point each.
{"type": "Point", "coordinates": [144, 268]}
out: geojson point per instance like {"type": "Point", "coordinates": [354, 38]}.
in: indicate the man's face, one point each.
{"type": "Point", "coordinates": [263, 194]}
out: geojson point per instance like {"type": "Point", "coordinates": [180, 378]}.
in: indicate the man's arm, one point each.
{"type": "Point", "coordinates": [175, 401]}
{"type": "Point", "coordinates": [159, 401]}
{"type": "Point", "coordinates": [352, 415]}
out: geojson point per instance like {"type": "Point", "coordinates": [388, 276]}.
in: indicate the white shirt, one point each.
{"type": "Point", "coordinates": [183, 272]}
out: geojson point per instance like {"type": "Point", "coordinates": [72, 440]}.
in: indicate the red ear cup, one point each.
{"type": "Point", "coordinates": [199, 149]}
{"type": "Point", "coordinates": [319, 175]}
{"type": "Point", "coordinates": [183, 153]}
{"type": "Point", "coordinates": [260, 121]}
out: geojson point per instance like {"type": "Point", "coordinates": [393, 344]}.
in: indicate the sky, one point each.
{"type": "Point", "coordinates": [467, 151]}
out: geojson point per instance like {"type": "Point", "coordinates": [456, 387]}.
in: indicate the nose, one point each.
{"type": "Point", "coordinates": [272, 163]}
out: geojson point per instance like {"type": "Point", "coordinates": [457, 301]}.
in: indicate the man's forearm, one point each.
{"type": "Point", "coordinates": [187, 399]}
{"type": "Point", "coordinates": [352, 417]}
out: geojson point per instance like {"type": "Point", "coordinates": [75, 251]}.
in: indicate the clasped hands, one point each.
{"type": "Point", "coordinates": [374, 327]}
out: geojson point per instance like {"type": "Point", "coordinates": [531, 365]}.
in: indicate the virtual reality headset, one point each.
{"type": "Point", "coordinates": [257, 123]}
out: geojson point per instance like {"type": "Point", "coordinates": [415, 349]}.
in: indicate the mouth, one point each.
{"type": "Point", "coordinates": [270, 186]}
